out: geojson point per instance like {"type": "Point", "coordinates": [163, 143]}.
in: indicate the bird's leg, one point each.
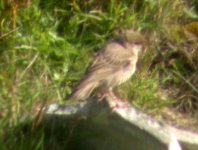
{"type": "Point", "coordinates": [115, 102]}
{"type": "Point", "coordinates": [108, 92]}
{"type": "Point", "coordinates": [111, 94]}
{"type": "Point", "coordinates": [119, 102]}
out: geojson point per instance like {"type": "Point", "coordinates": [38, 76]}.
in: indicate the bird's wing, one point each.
{"type": "Point", "coordinates": [111, 59]}
{"type": "Point", "coordinates": [117, 52]}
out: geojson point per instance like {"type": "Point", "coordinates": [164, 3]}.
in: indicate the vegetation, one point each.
{"type": "Point", "coordinates": [45, 46]}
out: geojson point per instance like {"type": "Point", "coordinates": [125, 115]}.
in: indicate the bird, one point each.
{"type": "Point", "coordinates": [113, 65]}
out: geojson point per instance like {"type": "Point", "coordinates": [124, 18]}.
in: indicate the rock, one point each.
{"type": "Point", "coordinates": [94, 126]}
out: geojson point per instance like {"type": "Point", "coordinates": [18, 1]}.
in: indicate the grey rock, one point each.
{"type": "Point", "coordinates": [93, 125]}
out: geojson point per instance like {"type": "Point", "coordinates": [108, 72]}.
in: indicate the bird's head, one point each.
{"type": "Point", "coordinates": [135, 39]}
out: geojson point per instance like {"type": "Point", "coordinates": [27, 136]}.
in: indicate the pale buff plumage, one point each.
{"type": "Point", "coordinates": [113, 65]}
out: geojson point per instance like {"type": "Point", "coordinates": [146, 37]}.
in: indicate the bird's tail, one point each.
{"type": "Point", "coordinates": [83, 90]}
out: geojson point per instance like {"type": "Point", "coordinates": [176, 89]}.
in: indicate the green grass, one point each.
{"type": "Point", "coordinates": [45, 46]}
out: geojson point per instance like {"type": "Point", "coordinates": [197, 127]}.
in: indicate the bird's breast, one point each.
{"type": "Point", "coordinates": [127, 71]}
{"type": "Point", "coordinates": [122, 75]}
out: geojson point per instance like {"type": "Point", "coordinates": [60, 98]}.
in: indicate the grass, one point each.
{"type": "Point", "coordinates": [46, 46]}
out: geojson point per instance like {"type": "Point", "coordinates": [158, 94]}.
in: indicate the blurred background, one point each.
{"type": "Point", "coordinates": [46, 45]}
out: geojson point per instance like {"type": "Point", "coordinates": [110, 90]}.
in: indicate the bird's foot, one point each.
{"type": "Point", "coordinates": [114, 102]}
{"type": "Point", "coordinates": [119, 104]}
{"type": "Point", "coordinates": [102, 96]}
